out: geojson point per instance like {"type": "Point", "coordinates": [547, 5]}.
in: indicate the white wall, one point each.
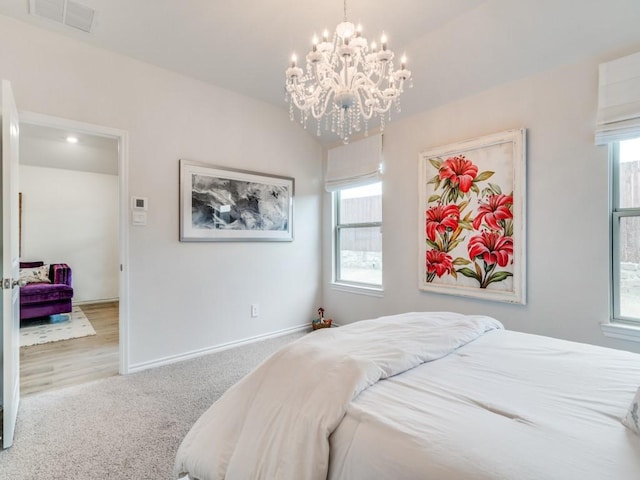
{"type": "Point", "coordinates": [183, 296]}
{"type": "Point", "coordinates": [567, 208]}
{"type": "Point", "coordinates": [72, 217]}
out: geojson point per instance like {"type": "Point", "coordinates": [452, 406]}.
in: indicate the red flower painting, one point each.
{"type": "Point", "coordinates": [468, 211]}
{"type": "Point", "coordinates": [440, 218]}
{"type": "Point", "coordinates": [438, 263]}
{"type": "Point", "coordinates": [496, 208]}
{"type": "Point", "coordinates": [491, 247]}
{"type": "Point", "coordinates": [459, 171]}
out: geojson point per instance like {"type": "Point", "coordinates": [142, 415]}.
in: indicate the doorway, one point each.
{"type": "Point", "coordinates": [85, 178]}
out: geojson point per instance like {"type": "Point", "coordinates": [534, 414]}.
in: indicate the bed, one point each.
{"type": "Point", "coordinates": [423, 395]}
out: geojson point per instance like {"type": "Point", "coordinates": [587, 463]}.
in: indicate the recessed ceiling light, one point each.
{"type": "Point", "coordinates": [72, 139]}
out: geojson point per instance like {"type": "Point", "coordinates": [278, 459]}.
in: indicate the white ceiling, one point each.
{"type": "Point", "coordinates": [455, 47]}
{"type": "Point", "coordinates": [48, 147]}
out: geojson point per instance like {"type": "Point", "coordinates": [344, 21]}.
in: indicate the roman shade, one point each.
{"type": "Point", "coordinates": [354, 165]}
{"type": "Point", "coordinates": [619, 100]}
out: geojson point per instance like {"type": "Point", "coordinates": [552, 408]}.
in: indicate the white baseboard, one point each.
{"type": "Point", "coordinates": [217, 348]}
{"type": "Point", "coordinates": [103, 300]}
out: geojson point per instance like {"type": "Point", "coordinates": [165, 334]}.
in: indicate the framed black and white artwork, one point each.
{"type": "Point", "coordinates": [225, 204]}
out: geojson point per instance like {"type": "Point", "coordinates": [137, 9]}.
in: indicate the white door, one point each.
{"type": "Point", "coordinates": [9, 273]}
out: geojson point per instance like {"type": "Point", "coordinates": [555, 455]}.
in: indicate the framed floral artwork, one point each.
{"type": "Point", "coordinates": [472, 218]}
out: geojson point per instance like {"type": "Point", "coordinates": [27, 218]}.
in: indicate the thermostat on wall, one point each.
{"type": "Point", "coordinates": [139, 203]}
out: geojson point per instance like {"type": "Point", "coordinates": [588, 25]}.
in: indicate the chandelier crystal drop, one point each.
{"type": "Point", "coordinates": [346, 81]}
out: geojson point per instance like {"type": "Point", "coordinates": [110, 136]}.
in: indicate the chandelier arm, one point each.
{"type": "Point", "coordinates": [360, 80]}
{"type": "Point", "coordinates": [299, 98]}
{"type": "Point", "coordinates": [301, 106]}
{"type": "Point", "coordinates": [304, 99]}
{"type": "Point", "coordinates": [387, 106]}
{"type": "Point", "coordinates": [384, 74]}
{"type": "Point", "coordinates": [318, 74]}
{"type": "Point", "coordinates": [374, 77]}
{"type": "Point", "coordinates": [376, 102]}
{"type": "Point", "coordinates": [326, 76]}
{"type": "Point", "coordinates": [364, 84]}
{"type": "Point", "coordinates": [365, 110]}
{"type": "Point", "coordinates": [318, 115]}
{"type": "Point", "coordinates": [297, 90]}
{"type": "Point", "coordinates": [335, 79]}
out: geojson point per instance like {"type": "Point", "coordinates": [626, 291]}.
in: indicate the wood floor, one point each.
{"type": "Point", "coordinates": [79, 360]}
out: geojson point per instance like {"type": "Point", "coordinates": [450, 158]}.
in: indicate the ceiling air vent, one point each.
{"type": "Point", "coordinates": [66, 12]}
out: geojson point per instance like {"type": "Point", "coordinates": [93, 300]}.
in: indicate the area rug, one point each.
{"type": "Point", "coordinates": [55, 328]}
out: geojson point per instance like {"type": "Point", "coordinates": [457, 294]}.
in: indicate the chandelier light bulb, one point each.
{"type": "Point", "coordinates": [345, 81]}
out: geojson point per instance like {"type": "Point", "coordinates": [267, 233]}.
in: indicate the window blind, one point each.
{"type": "Point", "coordinates": [354, 165]}
{"type": "Point", "coordinates": [618, 100]}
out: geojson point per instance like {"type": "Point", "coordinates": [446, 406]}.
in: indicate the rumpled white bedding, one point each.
{"type": "Point", "coordinates": [508, 406]}
{"type": "Point", "coordinates": [276, 422]}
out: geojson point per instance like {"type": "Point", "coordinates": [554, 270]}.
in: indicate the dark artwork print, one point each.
{"type": "Point", "coordinates": [224, 204]}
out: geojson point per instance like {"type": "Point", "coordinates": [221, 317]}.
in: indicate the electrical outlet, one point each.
{"type": "Point", "coordinates": [255, 310]}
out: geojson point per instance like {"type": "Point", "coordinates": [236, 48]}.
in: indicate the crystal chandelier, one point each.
{"type": "Point", "coordinates": [346, 81]}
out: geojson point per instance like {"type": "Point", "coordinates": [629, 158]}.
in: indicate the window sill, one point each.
{"type": "Point", "coordinates": [371, 291]}
{"type": "Point", "coordinates": [621, 331]}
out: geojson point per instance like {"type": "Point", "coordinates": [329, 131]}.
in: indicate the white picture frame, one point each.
{"type": "Point", "coordinates": [472, 209]}
{"type": "Point", "coordinates": [219, 204]}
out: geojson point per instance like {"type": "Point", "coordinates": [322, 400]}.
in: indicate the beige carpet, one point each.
{"type": "Point", "coordinates": [123, 427]}
{"type": "Point", "coordinates": [54, 328]}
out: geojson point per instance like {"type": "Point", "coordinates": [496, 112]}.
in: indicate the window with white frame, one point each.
{"type": "Point", "coordinates": [625, 236]}
{"type": "Point", "coordinates": [358, 235]}
{"type": "Point", "coordinates": [354, 176]}
{"type": "Point", "coordinates": [618, 125]}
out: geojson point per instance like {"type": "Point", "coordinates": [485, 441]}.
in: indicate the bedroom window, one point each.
{"type": "Point", "coordinates": [354, 177]}
{"type": "Point", "coordinates": [626, 230]}
{"type": "Point", "coordinates": [358, 236]}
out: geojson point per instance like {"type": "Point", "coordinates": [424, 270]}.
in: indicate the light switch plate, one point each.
{"type": "Point", "coordinates": [139, 218]}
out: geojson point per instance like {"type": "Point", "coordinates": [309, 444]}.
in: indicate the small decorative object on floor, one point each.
{"type": "Point", "coordinates": [321, 322]}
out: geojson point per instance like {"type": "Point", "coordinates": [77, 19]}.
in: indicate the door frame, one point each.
{"type": "Point", "coordinates": [122, 138]}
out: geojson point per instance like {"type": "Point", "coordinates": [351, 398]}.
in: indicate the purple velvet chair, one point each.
{"type": "Point", "coordinates": [43, 299]}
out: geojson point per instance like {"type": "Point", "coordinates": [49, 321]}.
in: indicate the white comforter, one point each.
{"type": "Point", "coordinates": [508, 406]}
{"type": "Point", "coordinates": [276, 422]}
